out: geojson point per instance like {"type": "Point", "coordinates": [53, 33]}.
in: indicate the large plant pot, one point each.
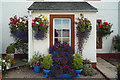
{"type": "Point", "coordinates": [8, 66]}
{"type": "Point", "coordinates": [78, 73]}
{"type": "Point", "coordinates": [64, 76]}
{"type": "Point", "coordinates": [46, 71]}
{"type": "Point", "coordinates": [118, 74]}
{"type": "Point", "coordinates": [37, 69]}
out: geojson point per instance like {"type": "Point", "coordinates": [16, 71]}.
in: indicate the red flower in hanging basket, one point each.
{"type": "Point", "coordinates": [103, 27]}
{"type": "Point", "coordinates": [106, 23]}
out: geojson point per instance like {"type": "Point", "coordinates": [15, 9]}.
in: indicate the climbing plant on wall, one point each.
{"type": "Point", "coordinates": [83, 30]}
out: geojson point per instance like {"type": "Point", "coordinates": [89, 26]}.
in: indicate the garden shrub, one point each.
{"type": "Point", "coordinates": [88, 70]}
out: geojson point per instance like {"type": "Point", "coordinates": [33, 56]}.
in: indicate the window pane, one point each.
{"type": "Point", "coordinates": [57, 33]}
{"type": "Point", "coordinates": [65, 24]}
{"type": "Point", "coordinates": [57, 40]}
{"type": "Point", "coordinates": [65, 33]}
{"type": "Point", "coordinates": [57, 23]}
{"type": "Point", "coordinates": [66, 40]}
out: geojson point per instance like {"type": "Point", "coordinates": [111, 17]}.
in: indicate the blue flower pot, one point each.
{"type": "Point", "coordinates": [37, 69]}
{"type": "Point", "coordinates": [55, 52]}
{"type": "Point", "coordinates": [64, 76]}
{"type": "Point", "coordinates": [78, 71]}
{"type": "Point", "coordinates": [46, 71]}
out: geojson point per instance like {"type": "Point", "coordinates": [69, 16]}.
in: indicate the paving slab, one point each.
{"type": "Point", "coordinates": [105, 67]}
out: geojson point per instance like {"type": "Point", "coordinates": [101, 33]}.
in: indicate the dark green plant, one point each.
{"type": "Point", "coordinates": [88, 70]}
{"type": "Point", "coordinates": [21, 46]}
{"type": "Point", "coordinates": [116, 41]}
{"type": "Point", "coordinates": [118, 67]}
{"type": "Point", "coordinates": [10, 49]}
{"type": "Point", "coordinates": [77, 61]}
{"type": "Point", "coordinates": [47, 62]}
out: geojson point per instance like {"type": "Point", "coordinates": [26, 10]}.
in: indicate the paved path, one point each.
{"type": "Point", "coordinates": [108, 69]}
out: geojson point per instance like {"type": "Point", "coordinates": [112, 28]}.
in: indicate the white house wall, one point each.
{"type": "Point", "coordinates": [10, 9]}
{"type": "Point", "coordinates": [107, 11]}
{"type": "Point", "coordinates": [119, 17]}
{"type": "Point", "coordinates": [89, 51]}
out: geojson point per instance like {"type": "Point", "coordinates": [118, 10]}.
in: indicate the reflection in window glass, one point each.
{"type": "Point", "coordinates": [57, 33]}
{"type": "Point", "coordinates": [66, 40]}
{"type": "Point", "coordinates": [65, 33]}
{"type": "Point", "coordinates": [57, 40]}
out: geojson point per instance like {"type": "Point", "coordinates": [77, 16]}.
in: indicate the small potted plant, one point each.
{"type": "Point", "coordinates": [118, 71]}
{"type": "Point", "coordinates": [8, 61]}
{"type": "Point", "coordinates": [78, 64]}
{"type": "Point", "coordinates": [35, 62]}
{"type": "Point", "coordinates": [46, 64]}
{"type": "Point", "coordinates": [10, 51]}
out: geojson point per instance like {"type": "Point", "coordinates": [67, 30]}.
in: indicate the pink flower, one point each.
{"type": "Point", "coordinates": [41, 24]}
{"type": "Point", "coordinates": [11, 18]}
{"type": "Point", "coordinates": [14, 22]}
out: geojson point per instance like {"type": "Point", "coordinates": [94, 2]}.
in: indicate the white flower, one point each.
{"type": "Point", "coordinates": [3, 69]}
{"type": "Point", "coordinates": [37, 23]}
{"type": "Point", "coordinates": [42, 18]}
{"type": "Point", "coordinates": [3, 61]}
{"type": "Point", "coordinates": [0, 67]}
{"type": "Point", "coordinates": [20, 20]}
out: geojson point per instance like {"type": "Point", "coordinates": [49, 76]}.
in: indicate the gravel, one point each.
{"type": "Point", "coordinates": [25, 72]}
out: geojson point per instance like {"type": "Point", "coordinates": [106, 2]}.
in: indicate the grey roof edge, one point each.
{"type": "Point", "coordinates": [65, 10]}
{"type": "Point", "coordinates": [92, 10]}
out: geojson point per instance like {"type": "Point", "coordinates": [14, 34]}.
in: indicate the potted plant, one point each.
{"type": "Point", "coordinates": [10, 51]}
{"type": "Point", "coordinates": [8, 61]}
{"type": "Point", "coordinates": [46, 64]}
{"type": "Point", "coordinates": [78, 64]}
{"type": "Point", "coordinates": [87, 68]}
{"type": "Point", "coordinates": [62, 66]}
{"type": "Point", "coordinates": [35, 62]}
{"type": "Point", "coordinates": [118, 71]}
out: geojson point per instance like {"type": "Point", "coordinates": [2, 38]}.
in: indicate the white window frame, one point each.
{"type": "Point", "coordinates": [62, 28]}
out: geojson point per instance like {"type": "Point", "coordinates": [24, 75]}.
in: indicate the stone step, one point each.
{"type": "Point", "coordinates": [108, 69]}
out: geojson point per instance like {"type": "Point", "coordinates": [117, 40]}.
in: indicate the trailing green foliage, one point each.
{"type": "Point", "coordinates": [10, 49]}
{"type": "Point", "coordinates": [77, 61]}
{"type": "Point", "coordinates": [47, 62]}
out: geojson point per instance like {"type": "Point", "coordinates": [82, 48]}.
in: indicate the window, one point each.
{"type": "Point", "coordinates": [99, 39]}
{"type": "Point", "coordinates": [62, 30]}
